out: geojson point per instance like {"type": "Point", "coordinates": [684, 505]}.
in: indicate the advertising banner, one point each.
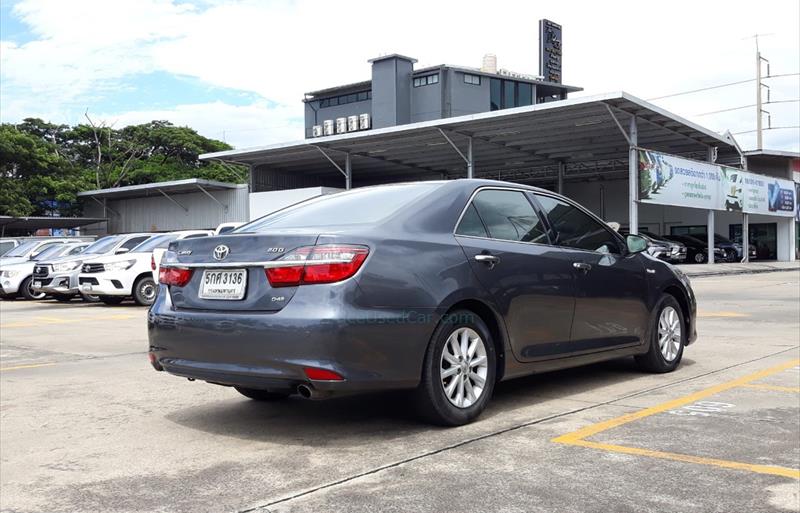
{"type": "Point", "coordinates": [669, 180]}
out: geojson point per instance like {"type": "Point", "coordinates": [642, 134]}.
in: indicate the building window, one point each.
{"type": "Point", "coordinates": [472, 79]}
{"type": "Point", "coordinates": [426, 80]}
{"type": "Point", "coordinates": [524, 94]}
{"type": "Point", "coordinates": [509, 100]}
{"type": "Point", "coordinates": [495, 93]}
{"type": "Point", "coordinates": [345, 99]}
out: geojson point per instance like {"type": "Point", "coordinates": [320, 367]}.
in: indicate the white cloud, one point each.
{"type": "Point", "coordinates": [281, 49]}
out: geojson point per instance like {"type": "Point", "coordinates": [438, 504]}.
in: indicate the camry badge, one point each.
{"type": "Point", "coordinates": [185, 252]}
{"type": "Point", "coordinates": [220, 252]}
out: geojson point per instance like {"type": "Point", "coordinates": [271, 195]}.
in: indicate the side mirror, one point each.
{"type": "Point", "coordinates": [636, 243]}
{"type": "Point", "coordinates": [121, 251]}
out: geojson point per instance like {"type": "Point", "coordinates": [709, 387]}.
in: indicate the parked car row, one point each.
{"type": "Point", "coordinates": [109, 269]}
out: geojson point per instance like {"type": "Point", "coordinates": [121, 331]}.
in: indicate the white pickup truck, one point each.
{"type": "Point", "coordinates": [116, 277]}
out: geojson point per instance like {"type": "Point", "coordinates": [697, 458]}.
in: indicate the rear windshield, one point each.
{"type": "Point", "coordinates": [159, 241]}
{"type": "Point", "coordinates": [103, 245]}
{"type": "Point", "coordinates": [360, 206]}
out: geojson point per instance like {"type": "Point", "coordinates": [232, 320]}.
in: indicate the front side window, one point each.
{"type": "Point", "coordinates": [508, 215]}
{"type": "Point", "coordinates": [575, 229]}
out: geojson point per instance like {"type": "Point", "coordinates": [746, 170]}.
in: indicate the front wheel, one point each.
{"type": "Point", "coordinates": [27, 292]}
{"type": "Point", "coordinates": [458, 372]}
{"type": "Point", "coordinates": [667, 338]}
{"type": "Point", "coordinates": [700, 257]}
{"type": "Point", "coordinates": [144, 291]}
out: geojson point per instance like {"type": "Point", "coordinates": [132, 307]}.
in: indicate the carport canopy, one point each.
{"type": "Point", "coordinates": [569, 140]}
{"type": "Point", "coordinates": [8, 223]}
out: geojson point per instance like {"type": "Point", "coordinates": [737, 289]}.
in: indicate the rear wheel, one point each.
{"type": "Point", "coordinates": [111, 300]}
{"type": "Point", "coordinates": [262, 395]}
{"type": "Point", "coordinates": [667, 338]}
{"type": "Point", "coordinates": [26, 290]}
{"type": "Point", "coordinates": [144, 291]}
{"type": "Point", "coordinates": [458, 372]}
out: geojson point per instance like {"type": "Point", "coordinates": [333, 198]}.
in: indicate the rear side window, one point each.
{"type": "Point", "coordinates": [508, 215]}
{"type": "Point", "coordinates": [359, 206]}
{"type": "Point", "coordinates": [471, 224]}
{"type": "Point", "coordinates": [575, 229]}
{"type": "Point", "coordinates": [134, 241]}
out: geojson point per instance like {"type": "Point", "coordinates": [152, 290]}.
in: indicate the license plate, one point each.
{"type": "Point", "coordinates": [228, 284]}
{"type": "Point", "coordinates": [37, 284]}
{"type": "Point", "coordinates": [86, 287]}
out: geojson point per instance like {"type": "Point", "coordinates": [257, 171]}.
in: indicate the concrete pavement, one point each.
{"type": "Point", "coordinates": [86, 425]}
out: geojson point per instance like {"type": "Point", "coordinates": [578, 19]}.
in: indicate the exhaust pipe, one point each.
{"type": "Point", "coordinates": [309, 392]}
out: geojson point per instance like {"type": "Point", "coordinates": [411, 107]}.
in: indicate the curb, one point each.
{"type": "Point", "coordinates": [732, 273]}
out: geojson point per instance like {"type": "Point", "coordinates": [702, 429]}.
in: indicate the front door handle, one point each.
{"type": "Point", "coordinates": [489, 260]}
{"type": "Point", "coordinates": [582, 266]}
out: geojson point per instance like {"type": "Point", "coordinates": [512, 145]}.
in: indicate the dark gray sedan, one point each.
{"type": "Point", "coordinates": [445, 288]}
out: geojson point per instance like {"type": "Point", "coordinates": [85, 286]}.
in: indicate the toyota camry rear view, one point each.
{"type": "Point", "coordinates": [442, 288]}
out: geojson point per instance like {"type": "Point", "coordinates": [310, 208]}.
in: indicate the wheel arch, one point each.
{"type": "Point", "coordinates": [683, 301]}
{"type": "Point", "coordinates": [496, 327]}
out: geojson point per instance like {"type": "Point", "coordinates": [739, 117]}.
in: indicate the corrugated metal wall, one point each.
{"type": "Point", "coordinates": [158, 214]}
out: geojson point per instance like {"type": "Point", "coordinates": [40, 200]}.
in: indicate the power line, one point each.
{"type": "Point", "coordinates": [769, 128]}
{"type": "Point", "coordinates": [738, 82]}
{"type": "Point", "coordinates": [745, 107]}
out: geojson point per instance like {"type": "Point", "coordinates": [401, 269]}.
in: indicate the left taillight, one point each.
{"type": "Point", "coordinates": [308, 265]}
{"type": "Point", "coordinates": [177, 276]}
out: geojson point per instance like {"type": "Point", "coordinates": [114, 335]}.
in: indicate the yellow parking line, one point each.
{"type": "Point", "coordinates": [759, 469]}
{"type": "Point", "coordinates": [721, 314]}
{"type": "Point", "coordinates": [774, 388]}
{"type": "Point", "coordinates": [577, 437]}
{"type": "Point", "coordinates": [31, 366]}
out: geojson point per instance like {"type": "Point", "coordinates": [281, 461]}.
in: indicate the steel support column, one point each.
{"type": "Point", "coordinates": [560, 183]}
{"type": "Point", "coordinates": [633, 181]}
{"type": "Point", "coordinates": [348, 172]}
{"type": "Point", "coordinates": [710, 228]}
{"type": "Point", "coordinates": [470, 162]}
{"type": "Point", "coordinates": [745, 228]}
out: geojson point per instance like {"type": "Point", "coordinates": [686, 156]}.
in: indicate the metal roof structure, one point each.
{"type": "Point", "coordinates": [158, 189]}
{"type": "Point", "coordinates": [38, 222]}
{"type": "Point", "coordinates": [587, 136]}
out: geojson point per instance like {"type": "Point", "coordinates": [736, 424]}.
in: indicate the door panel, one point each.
{"type": "Point", "coordinates": [531, 282]}
{"type": "Point", "coordinates": [532, 286]}
{"type": "Point", "coordinates": [610, 288]}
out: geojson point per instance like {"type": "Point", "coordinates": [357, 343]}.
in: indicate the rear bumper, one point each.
{"type": "Point", "coordinates": [372, 349]}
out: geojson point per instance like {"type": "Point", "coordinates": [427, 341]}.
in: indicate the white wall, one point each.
{"type": "Point", "coordinates": [263, 203]}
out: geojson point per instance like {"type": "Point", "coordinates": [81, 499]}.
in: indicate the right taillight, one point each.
{"type": "Point", "coordinates": [174, 276]}
{"type": "Point", "coordinates": [326, 263]}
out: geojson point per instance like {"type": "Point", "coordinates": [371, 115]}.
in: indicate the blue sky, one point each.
{"type": "Point", "coordinates": [237, 69]}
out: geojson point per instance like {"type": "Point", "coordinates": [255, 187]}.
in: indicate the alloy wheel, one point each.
{"type": "Point", "coordinates": [669, 333]}
{"type": "Point", "coordinates": [464, 367]}
{"type": "Point", "coordinates": [34, 294]}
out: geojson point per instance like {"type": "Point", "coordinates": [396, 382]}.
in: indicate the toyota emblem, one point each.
{"type": "Point", "coordinates": [221, 251]}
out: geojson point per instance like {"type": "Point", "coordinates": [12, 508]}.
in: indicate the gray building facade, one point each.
{"type": "Point", "coordinates": [398, 94]}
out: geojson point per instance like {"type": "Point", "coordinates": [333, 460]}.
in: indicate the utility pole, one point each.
{"type": "Point", "coordinates": [759, 104]}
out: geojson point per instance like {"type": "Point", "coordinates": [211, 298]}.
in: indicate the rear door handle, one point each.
{"type": "Point", "coordinates": [489, 260]}
{"type": "Point", "coordinates": [582, 266]}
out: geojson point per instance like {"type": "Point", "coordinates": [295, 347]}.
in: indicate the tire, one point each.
{"type": "Point", "coordinates": [90, 298]}
{"type": "Point", "coordinates": [62, 298]}
{"type": "Point", "coordinates": [262, 395]}
{"type": "Point", "coordinates": [26, 290]}
{"type": "Point", "coordinates": [700, 258]}
{"type": "Point", "coordinates": [144, 291]}
{"type": "Point", "coordinates": [433, 400]}
{"type": "Point", "coordinates": [668, 325]}
{"type": "Point", "coordinates": [111, 300]}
